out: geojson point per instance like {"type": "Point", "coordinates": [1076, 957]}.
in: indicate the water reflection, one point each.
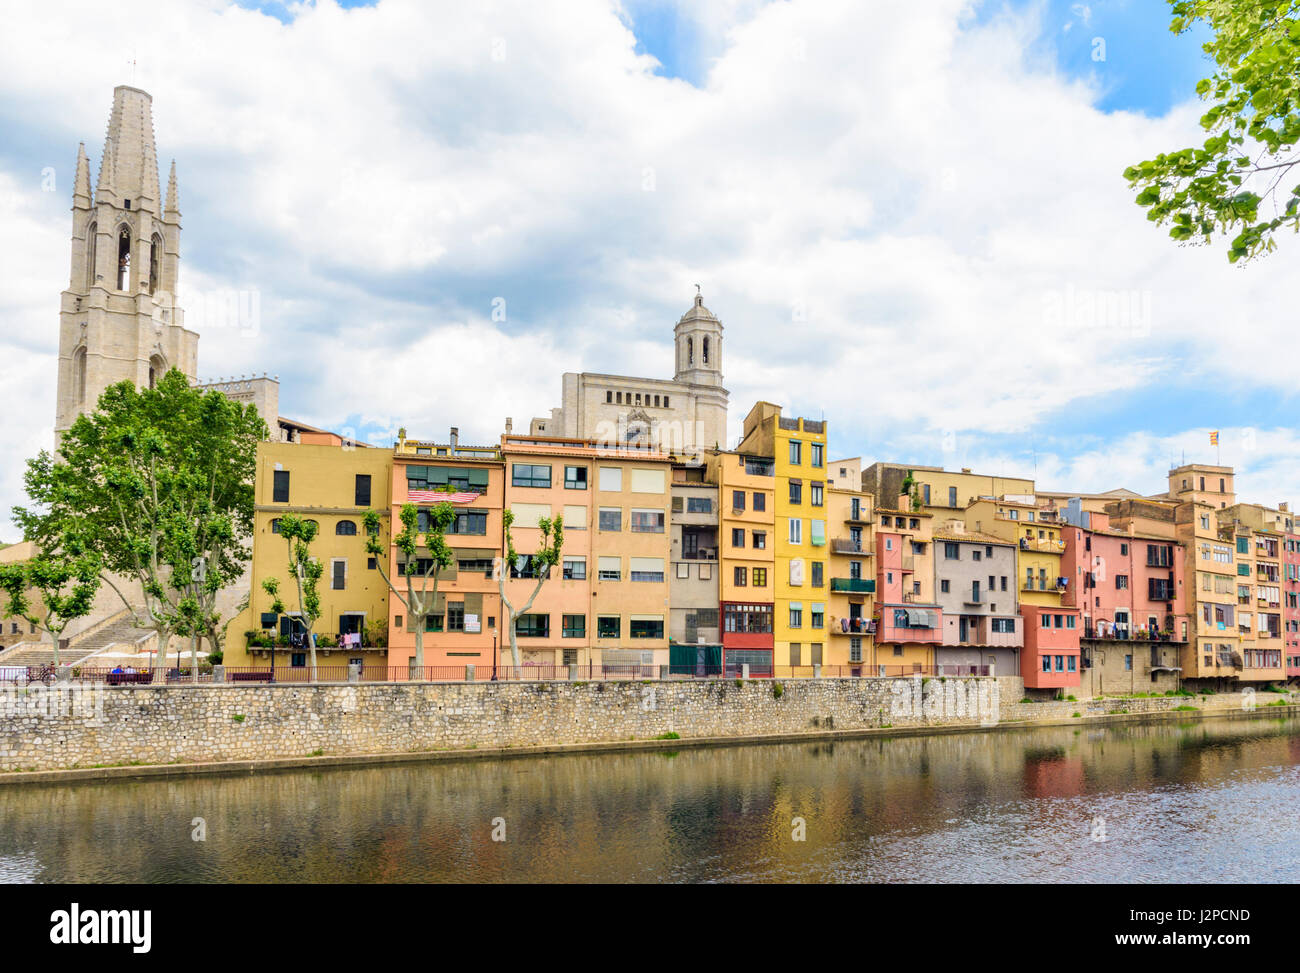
{"type": "Point", "coordinates": [1199, 802]}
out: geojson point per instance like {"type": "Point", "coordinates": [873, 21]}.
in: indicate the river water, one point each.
{"type": "Point", "coordinates": [1210, 801]}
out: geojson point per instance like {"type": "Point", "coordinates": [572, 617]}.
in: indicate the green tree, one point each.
{"type": "Point", "coordinates": [158, 484]}
{"type": "Point", "coordinates": [305, 572]}
{"type": "Point", "coordinates": [1239, 181]}
{"type": "Point", "coordinates": [424, 555]}
{"type": "Point", "coordinates": [537, 565]}
{"type": "Point", "coordinates": [65, 582]}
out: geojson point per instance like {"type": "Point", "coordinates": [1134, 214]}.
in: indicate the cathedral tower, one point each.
{"type": "Point", "coordinates": [118, 318]}
{"type": "Point", "coordinates": [699, 346]}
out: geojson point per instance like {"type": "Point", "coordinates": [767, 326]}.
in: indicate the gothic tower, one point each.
{"type": "Point", "coordinates": [699, 346]}
{"type": "Point", "coordinates": [119, 319]}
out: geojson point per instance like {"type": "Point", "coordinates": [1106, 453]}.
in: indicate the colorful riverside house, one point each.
{"type": "Point", "coordinates": [694, 629]}
{"type": "Point", "coordinates": [940, 492]}
{"type": "Point", "coordinates": [1258, 535]}
{"type": "Point", "coordinates": [975, 578]}
{"type": "Point", "coordinates": [1050, 659]}
{"type": "Point", "coordinates": [798, 450]}
{"type": "Point", "coordinates": [747, 563]}
{"type": "Point", "coordinates": [333, 485]}
{"type": "Point", "coordinates": [910, 622]}
{"type": "Point", "coordinates": [463, 629]}
{"type": "Point", "coordinates": [610, 606]}
{"type": "Point", "coordinates": [852, 590]}
{"type": "Point", "coordinates": [1128, 587]}
{"type": "Point", "coordinates": [1291, 597]}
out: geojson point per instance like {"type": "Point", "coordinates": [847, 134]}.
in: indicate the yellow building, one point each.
{"type": "Point", "coordinates": [747, 557]}
{"type": "Point", "coordinates": [1037, 534]}
{"type": "Point", "coordinates": [798, 449]}
{"type": "Point", "coordinates": [1258, 537]}
{"type": "Point", "coordinates": [851, 591]}
{"type": "Point", "coordinates": [334, 486]}
{"type": "Point", "coordinates": [938, 491]}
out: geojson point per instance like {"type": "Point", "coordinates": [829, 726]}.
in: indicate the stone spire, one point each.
{"type": "Point", "coordinates": [135, 159]}
{"type": "Point", "coordinates": [171, 209]}
{"type": "Point", "coordinates": [81, 190]}
{"type": "Point", "coordinates": [104, 185]}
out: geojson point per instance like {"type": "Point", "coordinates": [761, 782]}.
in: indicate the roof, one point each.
{"type": "Point", "coordinates": [970, 537]}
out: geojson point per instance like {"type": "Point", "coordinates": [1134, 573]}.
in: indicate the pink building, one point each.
{"type": "Point", "coordinates": [1291, 603]}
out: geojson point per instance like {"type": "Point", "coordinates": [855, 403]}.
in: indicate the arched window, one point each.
{"type": "Point", "coordinates": [92, 236]}
{"type": "Point", "coordinates": [155, 262]}
{"type": "Point", "coordinates": [275, 526]}
{"type": "Point", "coordinates": [704, 351]}
{"type": "Point", "coordinates": [124, 258]}
{"type": "Point", "coordinates": [346, 528]}
{"type": "Point", "coordinates": [157, 369]}
{"type": "Point", "coordinates": [690, 351]}
{"type": "Point", "coordinates": [79, 375]}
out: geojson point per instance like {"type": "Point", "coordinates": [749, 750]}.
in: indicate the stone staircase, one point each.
{"type": "Point", "coordinates": [42, 653]}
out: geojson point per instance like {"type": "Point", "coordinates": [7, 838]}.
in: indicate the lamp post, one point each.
{"type": "Point", "coordinates": [494, 655]}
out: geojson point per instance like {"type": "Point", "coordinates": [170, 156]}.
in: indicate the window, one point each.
{"type": "Point", "coordinates": [1003, 584]}
{"type": "Point", "coordinates": [943, 586]}
{"type": "Point", "coordinates": [611, 518]}
{"type": "Point", "coordinates": [647, 569]}
{"type": "Point", "coordinates": [818, 619]}
{"type": "Point", "coordinates": [1047, 663]}
{"type": "Point", "coordinates": [372, 564]}
{"type": "Point", "coordinates": [699, 505]}
{"type": "Point", "coordinates": [815, 454]}
{"type": "Point", "coordinates": [737, 537]}
{"type": "Point", "coordinates": [855, 570]}
{"type": "Point", "coordinates": [1004, 625]}
{"type": "Point", "coordinates": [683, 570]}
{"type": "Point", "coordinates": [759, 577]}
{"type": "Point", "coordinates": [952, 496]}
{"type": "Point", "coordinates": [1128, 662]}
{"type": "Point", "coordinates": [280, 489]}
{"type": "Point", "coordinates": [1121, 582]}
{"type": "Point", "coordinates": [760, 501]}
{"type": "Point", "coordinates": [855, 649]}
{"type": "Point", "coordinates": [951, 552]}
{"type": "Point", "coordinates": [275, 525]}
{"type": "Point", "coordinates": [608, 626]}
{"type": "Point", "coordinates": [815, 494]}
{"type": "Point", "coordinates": [609, 568]}
{"type": "Point", "coordinates": [818, 574]}
{"type": "Point", "coordinates": [738, 499]}
{"type": "Point", "coordinates": [455, 616]}
{"type": "Point", "coordinates": [362, 491]}
{"type": "Point", "coordinates": [338, 573]}
{"type": "Point", "coordinates": [647, 521]}
{"type": "Point", "coordinates": [574, 627]}
{"type": "Point", "coordinates": [738, 576]}
{"type": "Point", "coordinates": [464, 522]}
{"type": "Point", "coordinates": [533, 626]}
{"type": "Point", "coordinates": [575, 478]}
{"type": "Point", "coordinates": [759, 539]}
{"type": "Point", "coordinates": [796, 491]}
{"type": "Point", "coordinates": [647, 481]}
{"type": "Point", "coordinates": [796, 452]}
{"type": "Point", "coordinates": [346, 528]}
{"type": "Point", "coordinates": [796, 530]}
{"type": "Point", "coordinates": [646, 627]}
{"type": "Point", "coordinates": [796, 615]}
{"type": "Point", "coordinates": [524, 475]}
{"type": "Point", "coordinates": [575, 568]}
{"type": "Point", "coordinates": [975, 555]}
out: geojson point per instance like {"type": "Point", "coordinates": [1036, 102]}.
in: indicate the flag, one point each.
{"type": "Point", "coordinates": [1214, 438]}
{"type": "Point", "coordinates": [437, 496]}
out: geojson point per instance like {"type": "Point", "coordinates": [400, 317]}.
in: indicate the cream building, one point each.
{"type": "Point", "coordinates": [683, 416]}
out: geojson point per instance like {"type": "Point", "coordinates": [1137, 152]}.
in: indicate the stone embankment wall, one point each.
{"type": "Point", "coordinates": [46, 729]}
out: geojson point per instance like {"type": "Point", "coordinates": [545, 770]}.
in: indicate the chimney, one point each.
{"type": "Point", "coordinates": [455, 436]}
{"type": "Point", "coordinates": [509, 425]}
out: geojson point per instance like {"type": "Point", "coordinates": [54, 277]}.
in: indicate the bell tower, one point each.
{"type": "Point", "coordinates": [119, 319]}
{"type": "Point", "coordinates": [698, 337]}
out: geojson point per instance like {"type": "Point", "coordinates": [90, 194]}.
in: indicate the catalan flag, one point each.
{"type": "Point", "coordinates": [437, 496]}
{"type": "Point", "coordinates": [1214, 438]}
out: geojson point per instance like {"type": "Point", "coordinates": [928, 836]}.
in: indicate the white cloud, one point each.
{"type": "Point", "coordinates": [883, 202]}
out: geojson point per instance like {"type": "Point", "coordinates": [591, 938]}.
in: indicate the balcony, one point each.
{"type": "Point", "coordinates": [846, 545]}
{"type": "Point", "coordinates": [857, 586]}
{"type": "Point", "coordinates": [975, 601]}
{"type": "Point", "coordinates": [1044, 546]}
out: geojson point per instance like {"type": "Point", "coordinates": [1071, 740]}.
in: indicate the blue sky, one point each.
{"type": "Point", "coordinates": [888, 206]}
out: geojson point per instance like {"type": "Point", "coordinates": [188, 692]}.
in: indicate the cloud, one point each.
{"type": "Point", "coordinates": [907, 220]}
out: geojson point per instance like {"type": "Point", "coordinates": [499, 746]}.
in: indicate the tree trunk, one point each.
{"type": "Point", "coordinates": [194, 658]}
{"type": "Point", "coordinates": [418, 665]}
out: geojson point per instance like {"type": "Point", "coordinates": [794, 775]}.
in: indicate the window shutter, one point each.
{"type": "Point", "coordinates": [478, 477]}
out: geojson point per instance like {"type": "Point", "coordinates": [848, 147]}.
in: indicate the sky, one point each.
{"type": "Point", "coordinates": [910, 219]}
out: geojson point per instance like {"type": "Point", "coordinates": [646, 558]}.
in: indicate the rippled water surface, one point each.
{"type": "Point", "coordinates": [1212, 801]}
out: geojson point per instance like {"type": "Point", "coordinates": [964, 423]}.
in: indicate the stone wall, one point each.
{"type": "Point", "coordinates": [68, 727]}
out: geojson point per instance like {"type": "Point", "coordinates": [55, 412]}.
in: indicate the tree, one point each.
{"type": "Point", "coordinates": [65, 579]}
{"type": "Point", "coordinates": [420, 603]}
{"type": "Point", "coordinates": [538, 565]}
{"type": "Point", "coordinates": [305, 572]}
{"type": "Point", "coordinates": [158, 483]}
{"type": "Point", "coordinates": [1254, 121]}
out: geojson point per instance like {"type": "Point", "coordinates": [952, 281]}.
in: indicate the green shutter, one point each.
{"type": "Point", "coordinates": [478, 477]}
{"type": "Point", "coordinates": [437, 476]}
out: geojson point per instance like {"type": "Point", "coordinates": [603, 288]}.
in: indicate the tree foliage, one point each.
{"type": "Point", "coordinates": [1239, 182]}
{"type": "Point", "coordinates": [158, 485]}
{"type": "Point", "coordinates": [64, 581]}
{"type": "Point", "coordinates": [549, 548]}
{"type": "Point", "coordinates": [305, 572]}
{"type": "Point", "coordinates": [424, 555]}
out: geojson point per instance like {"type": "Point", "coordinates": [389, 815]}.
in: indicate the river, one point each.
{"type": "Point", "coordinates": [1208, 801]}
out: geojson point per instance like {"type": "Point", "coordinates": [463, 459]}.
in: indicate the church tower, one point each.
{"type": "Point", "coordinates": [119, 319]}
{"type": "Point", "coordinates": [699, 346]}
